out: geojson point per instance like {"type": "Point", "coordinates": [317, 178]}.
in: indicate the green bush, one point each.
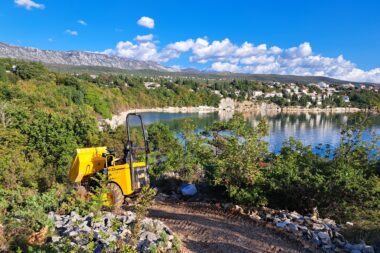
{"type": "Point", "coordinates": [93, 98]}
{"type": "Point", "coordinates": [24, 211]}
{"type": "Point", "coordinates": [31, 70]}
{"type": "Point", "coordinates": [3, 74]}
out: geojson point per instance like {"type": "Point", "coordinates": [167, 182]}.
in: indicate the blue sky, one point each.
{"type": "Point", "coordinates": [332, 38]}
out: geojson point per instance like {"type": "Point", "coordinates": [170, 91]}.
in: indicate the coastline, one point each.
{"type": "Point", "coordinates": [270, 109]}
{"type": "Point", "coordinates": [119, 119]}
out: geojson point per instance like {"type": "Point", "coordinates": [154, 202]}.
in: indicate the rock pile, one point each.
{"type": "Point", "coordinates": [323, 233]}
{"type": "Point", "coordinates": [97, 234]}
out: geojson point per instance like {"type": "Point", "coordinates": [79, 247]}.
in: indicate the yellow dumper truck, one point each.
{"type": "Point", "coordinates": [125, 176]}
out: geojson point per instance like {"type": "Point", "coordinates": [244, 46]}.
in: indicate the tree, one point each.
{"type": "Point", "coordinates": [53, 137]}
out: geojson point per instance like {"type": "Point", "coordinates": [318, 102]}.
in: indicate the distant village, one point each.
{"type": "Point", "coordinates": [320, 94]}
{"type": "Point", "coordinates": [316, 93]}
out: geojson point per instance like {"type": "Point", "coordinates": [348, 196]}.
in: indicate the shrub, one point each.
{"type": "Point", "coordinates": [93, 98]}
{"type": "Point", "coordinates": [182, 155]}
{"type": "Point", "coordinates": [3, 74]}
{"type": "Point", "coordinates": [301, 180]}
{"type": "Point", "coordinates": [31, 70]}
{"type": "Point", "coordinates": [24, 211]}
{"type": "Point", "coordinates": [238, 158]}
{"type": "Point", "coordinates": [143, 203]}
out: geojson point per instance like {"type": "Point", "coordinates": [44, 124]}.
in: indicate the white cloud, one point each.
{"type": "Point", "coordinates": [225, 67]}
{"type": "Point", "coordinates": [82, 22]}
{"type": "Point", "coordinates": [71, 32]}
{"type": "Point", "coordinates": [181, 46]}
{"type": "Point", "coordinates": [224, 55]}
{"type": "Point", "coordinates": [275, 50]}
{"type": "Point", "coordinates": [203, 51]}
{"type": "Point", "coordinates": [50, 40]}
{"type": "Point", "coordinates": [175, 50]}
{"type": "Point", "coordinates": [146, 22]}
{"type": "Point", "coordinates": [147, 37]}
{"type": "Point", "coordinates": [260, 59]}
{"type": "Point", "coordinates": [29, 4]}
{"type": "Point", "coordinates": [302, 50]}
{"type": "Point", "coordinates": [145, 51]}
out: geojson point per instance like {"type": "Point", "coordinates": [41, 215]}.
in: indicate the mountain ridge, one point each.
{"type": "Point", "coordinates": [75, 58]}
{"type": "Point", "coordinates": [95, 62]}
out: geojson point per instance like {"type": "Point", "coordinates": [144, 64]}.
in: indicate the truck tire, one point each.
{"type": "Point", "coordinates": [115, 195]}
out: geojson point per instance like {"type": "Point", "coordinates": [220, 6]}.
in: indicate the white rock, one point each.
{"type": "Point", "coordinates": [55, 238]}
{"type": "Point", "coordinates": [368, 249]}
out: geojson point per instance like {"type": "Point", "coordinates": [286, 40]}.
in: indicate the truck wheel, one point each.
{"type": "Point", "coordinates": [115, 197]}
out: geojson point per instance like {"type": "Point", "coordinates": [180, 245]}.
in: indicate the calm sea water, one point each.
{"type": "Point", "coordinates": [310, 128]}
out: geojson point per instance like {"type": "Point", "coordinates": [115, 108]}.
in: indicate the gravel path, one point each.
{"type": "Point", "coordinates": [206, 228]}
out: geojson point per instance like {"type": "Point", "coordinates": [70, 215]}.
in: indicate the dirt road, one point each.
{"type": "Point", "coordinates": [205, 228]}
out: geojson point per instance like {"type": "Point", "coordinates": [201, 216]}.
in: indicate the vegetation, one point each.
{"type": "Point", "coordinates": [45, 116]}
{"type": "Point", "coordinates": [143, 203]}
{"type": "Point", "coordinates": [344, 184]}
{"type": "Point", "coordinates": [365, 99]}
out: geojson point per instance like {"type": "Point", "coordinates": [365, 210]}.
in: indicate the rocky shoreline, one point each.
{"type": "Point", "coordinates": [119, 118]}
{"type": "Point", "coordinates": [254, 106]}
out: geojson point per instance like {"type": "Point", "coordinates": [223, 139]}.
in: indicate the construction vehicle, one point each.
{"type": "Point", "coordinates": [125, 176]}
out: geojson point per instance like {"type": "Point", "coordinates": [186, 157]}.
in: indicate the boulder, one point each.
{"type": "Point", "coordinates": [315, 239]}
{"type": "Point", "coordinates": [55, 238]}
{"type": "Point", "coordinates": [293, 227]}
{"type": "Point", "coordinates": [295, 216]}
{"type": "Point", "coordinates": [324, 237]}
{"type": "Point", "coordinates": [149, 236]}
{"type": "Point", "coordinates": [268, 217]}
{"type": "Point", "coordinates": [282, 224]}
{"type": "Point", "coordinates": [317, 226]}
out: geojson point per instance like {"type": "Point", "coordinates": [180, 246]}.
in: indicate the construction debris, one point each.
{"type": "Point", "coordinates": [98, 233]}
{"type": "Point", "coordinates": [323, 233]}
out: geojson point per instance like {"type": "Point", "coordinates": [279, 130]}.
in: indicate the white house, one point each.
{"type": "Point", "coordinates": [323, 85]}
{"type": "Point", "coordinates": [151, 85]}
{"type": "Point", "coordinates": [348, 86]}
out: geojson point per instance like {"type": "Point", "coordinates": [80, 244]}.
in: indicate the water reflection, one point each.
{"type": "Point", "coordinates": [310, 128]}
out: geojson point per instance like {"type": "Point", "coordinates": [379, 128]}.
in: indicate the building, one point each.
{"type": "Point", "coordinates": [151, 85]}
{"type": "Point", "coordinates": [322, 85]}
{"type": "Point", "coordinates": [348, 86]}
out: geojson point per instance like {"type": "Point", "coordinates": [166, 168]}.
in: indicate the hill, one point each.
{"type": "Point", "coordinates": [191, 73]}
